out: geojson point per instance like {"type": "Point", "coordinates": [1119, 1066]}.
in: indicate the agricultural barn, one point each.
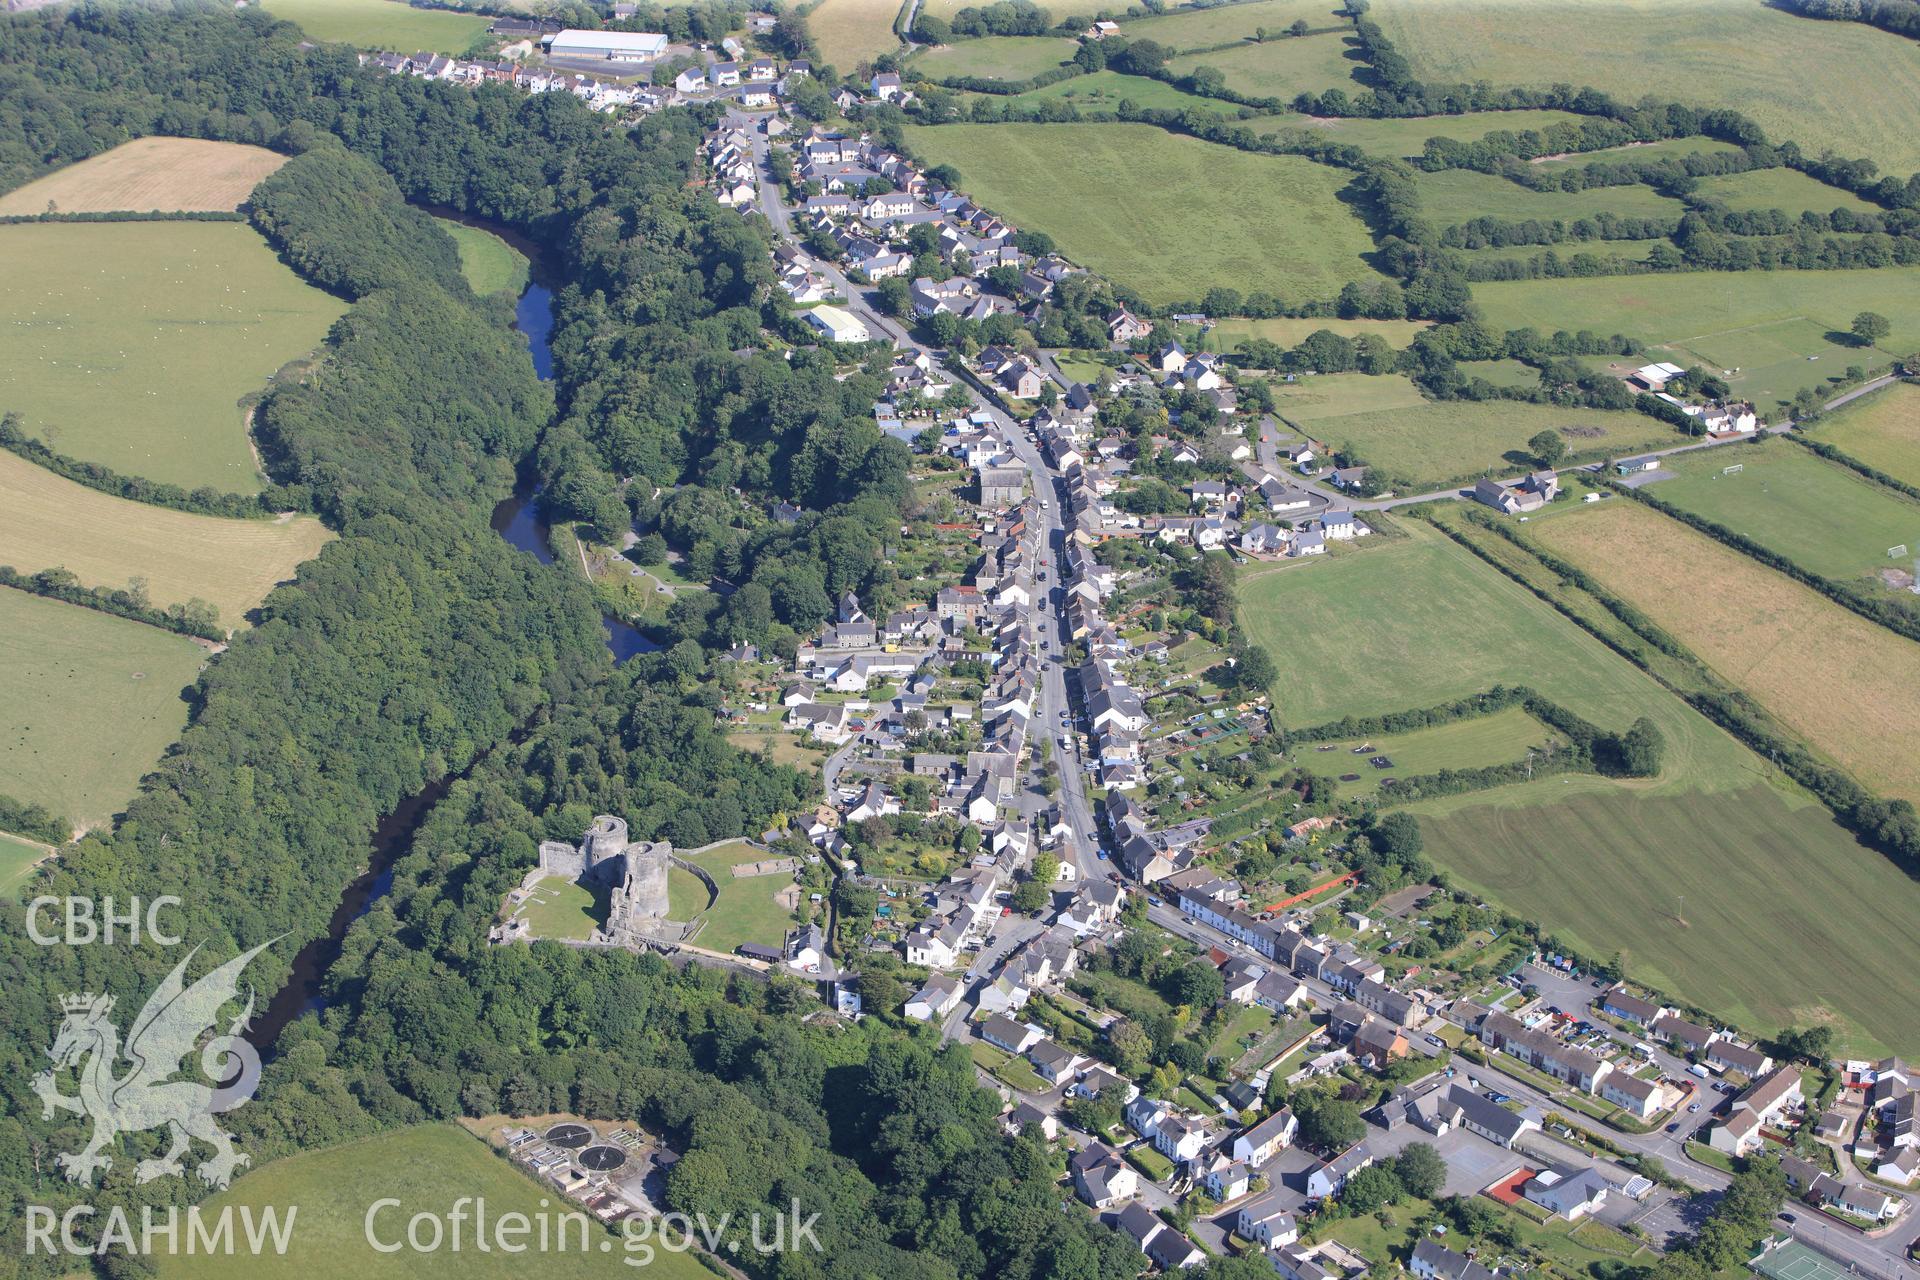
{"type": "Point", "coordinates": [616, 46]}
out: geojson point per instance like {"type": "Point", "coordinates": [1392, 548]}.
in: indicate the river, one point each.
{"type": "Point", "coordinates": [518, 520]}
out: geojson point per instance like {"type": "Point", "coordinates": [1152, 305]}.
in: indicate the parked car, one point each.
{"type": "Point", "coordinates": [1674, 1127]}
{"type": "Point", "coordinates": [1693, 1108]}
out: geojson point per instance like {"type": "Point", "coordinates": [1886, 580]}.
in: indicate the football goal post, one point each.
{"type": "Point", "coordinates": [1733, 470]}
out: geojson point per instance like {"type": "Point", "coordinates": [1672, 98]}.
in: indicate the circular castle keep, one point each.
{"type": "Point", "coordinates": [634, 870]}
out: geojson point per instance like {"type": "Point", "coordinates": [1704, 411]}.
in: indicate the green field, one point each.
{"type": "Point", "coordinates": [745, 911]}
{"type": "Point", "coordinates": [1621, 869]}
{"type": "Point", "coordinates": [1799, 79]}
{"type": "Point", "coordinates": [995, 57]}
{"type": "Point", "coordinates": [1766, 324]}
{"type": "Point", "coordinates": [1438, 442]}
{"type": "Point", "coordinates": [1502, 373]}
{"type": "Point", "coordinates": [1882, 430]}
{"type": "Point", "coordinates": [1625, 250]}
{"type": "Point", "coordinates": [1408, 136]}
{"type": "Point", "coordinates": [1270, 223]}
{"type": "Point", "coordinates": [1816, 513]}
{"type": "Point", "coordinates": [1198, 29]}
{"type": "Point", "coordinates": [1106, 90]}
{"type": "Point", "coordinates": [131, 344]}
{"type": "Point", "coordinates": [1787, 189]}
{"type": "Point", "coordinates": [1289, 331]}
{"type": "Point", "coordinates": [1421, 621]}
{"type": "Point", "coordinates": [1335, 395]}
{"type": "Point", "coordinates": [490, 264]}
{"type": "Point", "coordinates": [382, 24]}
{"type": "Point", "coordinates": [1282, 68]}
{"type": "Point", "coordinates": [1500, 738]}
{"type": "Point", "coordinates": [427, 1169]}
{"type": "Point", "coordinates": [17, 860]}
{"type": "Point", "coordinates": [88, 702]}
{"type": "Point", "coordinates": [1454, 196]}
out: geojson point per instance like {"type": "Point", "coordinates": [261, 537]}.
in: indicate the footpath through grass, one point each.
{"type": "Point", "coordinates": [88, 702]}
{"type": "Point", "coordinates": [132, 343]}
{"type": "Point", "coordinates": [1272, 223]}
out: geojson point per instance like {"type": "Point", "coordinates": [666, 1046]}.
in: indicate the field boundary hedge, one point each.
{"type": "Point", "coordinates": [125, 215]}
{"type": "Point", "coordinates": [1890, 827]}
{"type": "Point", "coordinates": [35, 820]}
{"type": "Point", "coordinates": [1841, 458]}
{"type": "Point", "coordinates": [205, 501]}
{"type": "Point", "coordinates": [52, 585]}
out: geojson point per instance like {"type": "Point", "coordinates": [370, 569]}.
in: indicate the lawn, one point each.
{"type": "Point", "coordinates": [1211, 216]}
{"type": "Point", "coordinates": [745, 911]}
{"type": "Point", "coordinates": [1454, 196]}
{"type": "Point", "coordinates": [47, 520]}
{"type": "Point", "coordinates": [994, 57]}
{"type": "Point", "coordinates": [490, 264]}
{"type": "Point", "coordinates": [1798, 78]}
{"type": "Point", "coordinates": [1787, 189]}
{"type": "Point", "coordinates": [1408, 136]}
{"type": "Point", "coordinates": [132, 344]}
{"type": "Point", "coordinates": [426, 1170]}
{"type": "Point", "coordinates": [1500, 738]}
{"type": "Point", "coordinates": [1106, 90]}
{"type": "Point", "coordinates": [562, 909]}
{"type": "Point", "coordinates": [785, 748]}
{"type": "Point", "coordinates": [1288, 331]}
{"type": "Point", "coordinates": [1882, 430]}
{"type": "Point", "coordinates": [1782, 330]}
{"type": "Point", "coordinates": [1445, 441]}
{"type": "Point", "coordinates": [1816, 513]}
{"type": "Point", "coordinates": [87, 703]}
{"type": "Point", "coordinates": [1283, 68]}
{"type": "Point", "coordinates": [850, 32]}
{"type": "Point", "coordinates": [382, 24]}
{"type": "Point", "coordinates": [150, 174]}
{"type": "Point", "coordinates": [18, 857]}
{"type": "Point", "coordinates": [1202, 28]}
{"type": "Point", "coordinates": [1765, 633]}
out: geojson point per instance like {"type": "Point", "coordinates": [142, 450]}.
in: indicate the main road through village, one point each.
{"type": "Point", "coordinates": [1882, 1258]}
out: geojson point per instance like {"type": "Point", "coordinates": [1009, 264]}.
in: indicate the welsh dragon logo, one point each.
{"type": "Point", "coordinates": [167, 1029]}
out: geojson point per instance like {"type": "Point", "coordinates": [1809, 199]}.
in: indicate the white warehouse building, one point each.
{"type": "Point", "coordinates": [837, 325]}
{"type": "Point", "coordinates": [616, 46]}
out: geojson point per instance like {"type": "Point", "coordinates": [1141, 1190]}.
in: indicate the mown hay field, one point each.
{"type": "Point", "coordinates": [383, 24]}
{"type": "Point", "coordinates": [1212, 215]}
{"type": "Point", "coordinates": [1291, 331]}
{"type": "Point", "coordinates": [88, 702]}
{"type": "Point", "coordinates": [131, 344]}
{"type": "Point", "coordinates": [850, 32]}
{"type": "Point", "coordinates": [1882, 430]}
{"type": "Point", "coordinates": [1798, 78]}
{"type": "Point", "coordinates": [150, 175]}
{"type": "Point", "coordinates": [1848, 687]}
{"type": "Point", "coordinates": [48, 521]}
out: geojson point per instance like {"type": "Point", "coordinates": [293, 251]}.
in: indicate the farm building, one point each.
{"type": "Point", "coordinates": [615, 46]}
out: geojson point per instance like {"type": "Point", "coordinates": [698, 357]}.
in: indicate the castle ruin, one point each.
{"type": "Point", "coordinates": [634, 871]}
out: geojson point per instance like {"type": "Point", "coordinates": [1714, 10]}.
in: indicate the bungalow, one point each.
{"type": "Point", "coordinates": [1689, 1036]}
{"type": "Point", "coordinates": [939, 997]}
{"type": "Point", "coordinates": [1573, 1194]}
{"type": "Point", "coordinates": [1015, 1037]}
{"type": "Point", "coordinates": [1618, 1002]}
{"type": "Point", "coordinates": [1631, 466]}
{"type": "Point", "coordinates": [1171, 1250]}
{"type": "Point", "coordinates": [1731, 1055]}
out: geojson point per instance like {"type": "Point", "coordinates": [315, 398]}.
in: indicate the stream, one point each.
{"type": "Point", "coordinates": [518, 520]}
